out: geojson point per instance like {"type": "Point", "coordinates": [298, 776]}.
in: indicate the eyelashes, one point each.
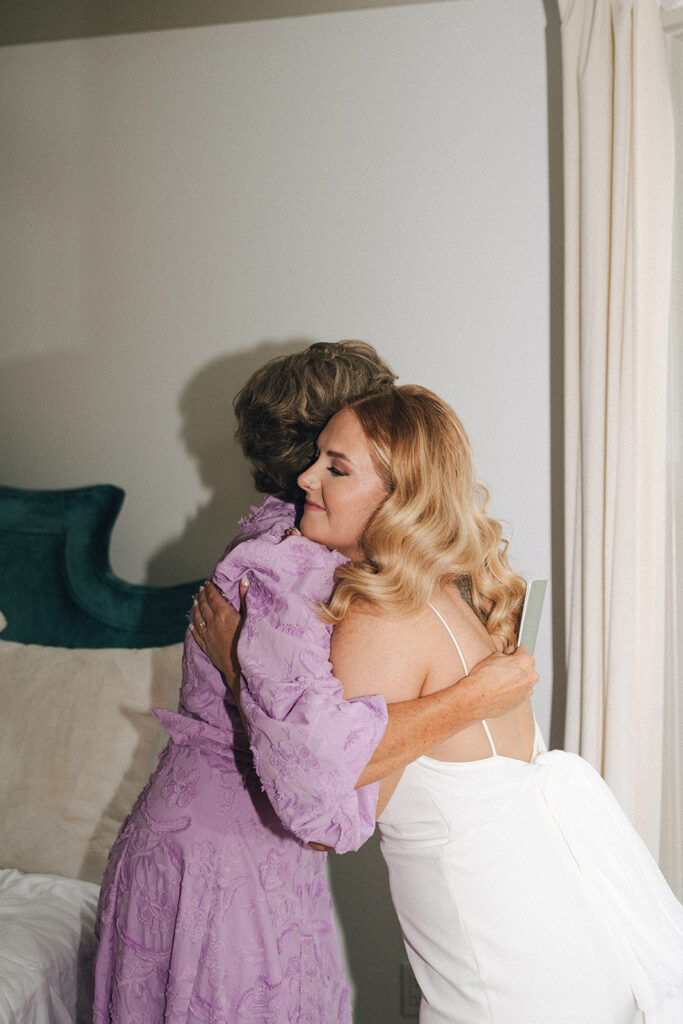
{"type": "Point", "coordinates": [332, 470]}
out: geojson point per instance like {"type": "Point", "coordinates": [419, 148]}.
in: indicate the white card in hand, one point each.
{"type": "Point", "coordinates": [531, 613]}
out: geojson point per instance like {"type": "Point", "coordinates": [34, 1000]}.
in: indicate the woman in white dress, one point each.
{"type": "Point", "coordinates": [523, 893]}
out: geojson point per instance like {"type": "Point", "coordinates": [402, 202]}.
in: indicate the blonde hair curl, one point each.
{"type": "Point", "coordinates": [432, 528]}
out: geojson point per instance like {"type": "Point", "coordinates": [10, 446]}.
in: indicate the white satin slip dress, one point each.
{"type": "Point", "coordinates": [525, 896]}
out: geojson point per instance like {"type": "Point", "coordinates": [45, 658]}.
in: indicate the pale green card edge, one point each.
{"type": "Point", "coordinates": [531, 613]}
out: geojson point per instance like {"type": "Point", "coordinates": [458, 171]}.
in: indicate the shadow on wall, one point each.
{"type": "Point", "coordinates": [207, 430]}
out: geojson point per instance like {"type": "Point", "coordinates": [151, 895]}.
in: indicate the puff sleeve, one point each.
{"type": "Point", "coordinates": [309, 744]}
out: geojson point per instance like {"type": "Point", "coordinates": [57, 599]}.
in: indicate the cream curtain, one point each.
{"type": "Point", "coordinates": [671, 859]}
{"type": "Point", "coordinates": [672, 803]}
{"type": "Point", "coordinates": [619, 160]}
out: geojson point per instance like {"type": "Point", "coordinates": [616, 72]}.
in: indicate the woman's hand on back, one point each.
{"type": "Point", "coordinates": [499, 683]}
{"type": "Point", "coordinates": [216, 625]}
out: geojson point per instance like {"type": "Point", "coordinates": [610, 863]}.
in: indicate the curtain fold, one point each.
{"type": "Point", "coordinates": [672, 804]}
{"type": "Point", "coordinates": [671, 860]}
{"type": "Point", "coordinates": [619, 173]}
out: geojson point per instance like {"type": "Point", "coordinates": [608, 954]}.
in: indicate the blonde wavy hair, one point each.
{"type": "Point", "coordinates": [432, 528]}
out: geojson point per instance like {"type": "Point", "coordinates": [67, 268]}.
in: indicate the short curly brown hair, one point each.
{"type": "Point", "coordinates": [283, 406]}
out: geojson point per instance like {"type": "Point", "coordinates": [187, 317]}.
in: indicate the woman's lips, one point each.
{"type": "Point", "coordinates": [312, 505]}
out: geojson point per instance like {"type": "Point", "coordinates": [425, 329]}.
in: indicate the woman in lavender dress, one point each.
{"type": "Point", "coordinates": [214, 907]}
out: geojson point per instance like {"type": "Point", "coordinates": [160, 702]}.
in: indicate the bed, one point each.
{"type": "Point", "coordinates": [83, 657]}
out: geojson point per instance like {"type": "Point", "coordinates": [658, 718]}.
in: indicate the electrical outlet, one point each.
{"type": "Point", "coordinates": [410, 992]}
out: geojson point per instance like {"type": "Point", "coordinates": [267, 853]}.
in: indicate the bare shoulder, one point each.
{"type": "Point", "coordinates": [375, 651]}
{"type": "Point", "coordinates": [367, 623]}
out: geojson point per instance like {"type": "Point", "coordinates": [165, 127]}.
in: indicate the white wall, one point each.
{"type": "Point", "coordinates": [178, 206]}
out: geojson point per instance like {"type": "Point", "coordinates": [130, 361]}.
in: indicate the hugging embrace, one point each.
{"type": "Point", "coordinates": [372, 677]}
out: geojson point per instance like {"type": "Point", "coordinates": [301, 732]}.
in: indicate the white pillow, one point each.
{"type": "Point", "coordinates": [46, 949]}
{"type": "Point", "coordinates": [77, 744]}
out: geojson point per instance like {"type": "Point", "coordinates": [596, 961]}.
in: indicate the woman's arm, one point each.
{"type": "Point", "coordinates": [494, 686]}
{"type": "Point", "coordinates": [309, 744]}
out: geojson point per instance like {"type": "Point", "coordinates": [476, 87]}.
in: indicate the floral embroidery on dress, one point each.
{"type": "Point", "coordinates": [292, 762]}
{"type": "Point", "coordinates": [154, 909]}
{"type": "Point", "coordinates": [203, 867]}
{"type": "Point", "coordinates": [264, 1002]}
{"type": "Point", "coordinates": [274, 871]}
{"type": "Point", "coordinates": [291, 628]}
{"type": "Point", "coordinates": [180, 790]}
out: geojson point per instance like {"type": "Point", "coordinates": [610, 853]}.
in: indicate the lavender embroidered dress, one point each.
{"type": "Point", "coordinates": [213, 909]}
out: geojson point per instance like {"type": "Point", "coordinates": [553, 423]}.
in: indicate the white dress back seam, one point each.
{"type": "Point", "coordinates": [467, 671]}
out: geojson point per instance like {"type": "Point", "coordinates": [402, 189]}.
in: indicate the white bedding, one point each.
{"type": "Point", "coordinates": [46, 934]}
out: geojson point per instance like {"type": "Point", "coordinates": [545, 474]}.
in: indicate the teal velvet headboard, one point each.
{"type": "Point", "coordinates": [56, 583]}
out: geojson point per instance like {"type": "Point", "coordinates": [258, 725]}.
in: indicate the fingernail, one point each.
{"type": "Point", "coordinates": [192, 627]}
{"type": "Point", "coordinates": [245, 581]}
{"type": "Point", "coordinates": [195, 601]}
{"type": "Point", "coordinates": [201, 588]}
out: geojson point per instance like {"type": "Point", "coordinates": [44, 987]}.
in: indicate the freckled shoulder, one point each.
{"type": "Point", "coordinates": [375, 651]}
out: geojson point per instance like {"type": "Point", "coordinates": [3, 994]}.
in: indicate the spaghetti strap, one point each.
{"type": "Point", "coordinates": [488, 733]}
{"type": "Point", "coordinates": [450, 633]}
{"type": "Point", "coordinates": [467, 671]}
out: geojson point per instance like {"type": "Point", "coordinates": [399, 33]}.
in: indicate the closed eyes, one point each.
{"type": "Point", "coordinates": [330, 469]}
